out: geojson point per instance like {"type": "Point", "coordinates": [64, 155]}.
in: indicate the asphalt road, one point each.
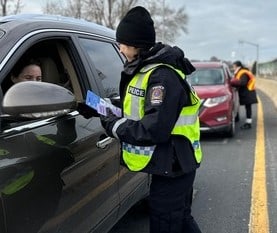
{"type": "Point", "coordinates": [224, 199]}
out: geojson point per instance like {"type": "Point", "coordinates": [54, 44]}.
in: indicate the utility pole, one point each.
{"type": "Point", "coordinates": [257, 51]}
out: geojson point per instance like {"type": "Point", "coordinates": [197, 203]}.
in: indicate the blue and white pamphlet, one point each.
{"type": "Point", "coordinates": [100, 105]}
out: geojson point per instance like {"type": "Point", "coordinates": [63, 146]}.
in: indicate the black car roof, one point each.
{"type": "Point", "coordinates": [43, 21]}
{"type": "Point", "coordinates": [17, 28]}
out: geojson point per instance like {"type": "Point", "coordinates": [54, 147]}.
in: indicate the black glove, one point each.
{"type": "Point", "coordinates": [109, 121]}
{"type": "Point", "coordinates": [86, 111]}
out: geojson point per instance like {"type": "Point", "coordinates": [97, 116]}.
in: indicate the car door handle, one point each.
{"type": "Point", "coordinates": [103, 143]}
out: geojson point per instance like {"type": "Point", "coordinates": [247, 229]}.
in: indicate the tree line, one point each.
{"type": "Point", "coordinates": [170, 21]}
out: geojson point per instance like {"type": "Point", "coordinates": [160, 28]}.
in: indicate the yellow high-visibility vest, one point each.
{"type": "Point", "coordinates": [137, 157]}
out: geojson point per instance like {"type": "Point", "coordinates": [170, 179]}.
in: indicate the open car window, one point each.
{"type": "Point", "coordinates": [57, 68]}
{"type": "Point", "coordinates": [56, 65]}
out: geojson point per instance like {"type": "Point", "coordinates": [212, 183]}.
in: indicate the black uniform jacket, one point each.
{"type": "Point", "coordinates": [174, 154]}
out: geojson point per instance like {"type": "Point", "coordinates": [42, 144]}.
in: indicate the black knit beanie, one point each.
{"type": "Point", "coordinates": [136, 29]}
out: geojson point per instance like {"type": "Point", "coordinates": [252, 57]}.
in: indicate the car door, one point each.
{"type": "Point", "coordinates": [234, 92]}
{"type": "Point", "coordinates": [133, 186]}
{"type": "Point", "coordinates": [53, 176]}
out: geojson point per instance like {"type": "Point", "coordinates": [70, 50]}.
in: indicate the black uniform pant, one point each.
{"type": "Point", "coordinates": [170, 204]}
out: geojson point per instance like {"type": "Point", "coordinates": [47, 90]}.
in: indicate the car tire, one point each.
{"type": "Point", "coordinates": [232, 128]}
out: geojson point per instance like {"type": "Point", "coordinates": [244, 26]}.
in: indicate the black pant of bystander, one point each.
{"type": "Point", "coordinates": [248, 110]}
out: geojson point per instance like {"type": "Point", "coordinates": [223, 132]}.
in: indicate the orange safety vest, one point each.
{"type": "Point", "coordinates": [251, 82]}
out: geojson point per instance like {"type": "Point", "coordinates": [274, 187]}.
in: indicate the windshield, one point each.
{"type": "Point", "coordinates": [206, 76]}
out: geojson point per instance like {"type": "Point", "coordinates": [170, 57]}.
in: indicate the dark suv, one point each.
{"type": "Point", "coordinates": [60, 172]}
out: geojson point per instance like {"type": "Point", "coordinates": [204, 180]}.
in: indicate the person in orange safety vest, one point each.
{"type": "Point", "coordinates": [244, 80]}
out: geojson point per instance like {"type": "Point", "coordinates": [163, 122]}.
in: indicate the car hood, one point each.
{"type": "Point", "coordinates": [205, 92]}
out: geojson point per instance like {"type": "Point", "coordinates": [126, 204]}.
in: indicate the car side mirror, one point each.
{"type": "Point", "coordinates": [34, 99]}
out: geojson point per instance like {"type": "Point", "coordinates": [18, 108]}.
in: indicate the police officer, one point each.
{"type": "Point", "coordinates": [159, 129]}
{"type": "Point", "coordinates": [245, 81]}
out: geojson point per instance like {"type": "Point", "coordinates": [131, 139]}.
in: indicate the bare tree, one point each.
{"type": "Point", "coordinates": [4, 7]}
{"type": "Point", "coordinates": [10, 6]}
{"type": "Point", "coordinates": [108, 12]}
{"type": "Point", "coordinates": [169, 22]}
{"type": "Point", "coordinates": [54, 8]}
{"type": "Point", "coordinates": [214, 58]}
{"type": "Point", "coordinates": [17, 7]}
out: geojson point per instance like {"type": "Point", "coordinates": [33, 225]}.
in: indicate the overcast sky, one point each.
{"type": "Point", "coordinates": [216, 26]}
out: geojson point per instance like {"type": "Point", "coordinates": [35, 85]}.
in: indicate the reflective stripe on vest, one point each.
{"type": "Point", "coordinates": [251, 82]}
{"type": "Point", "coordinates": [137, 157]}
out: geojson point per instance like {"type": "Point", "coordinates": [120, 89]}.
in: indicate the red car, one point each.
{"type": "Point", "coordinates": [219, 100]}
